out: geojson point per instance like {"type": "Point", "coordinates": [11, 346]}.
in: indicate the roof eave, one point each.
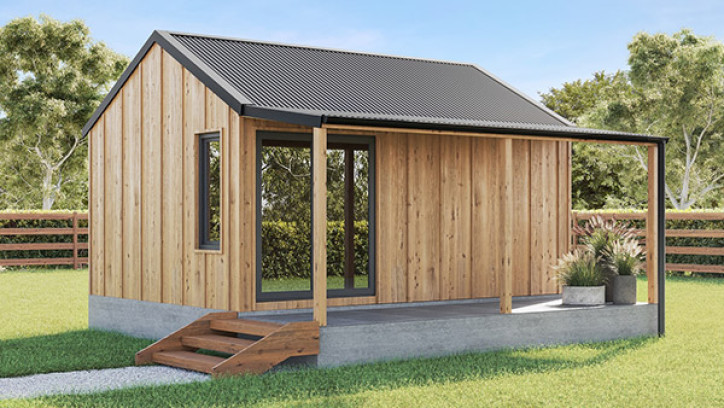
{"type": "Point", "coordinates": [316, 120]}
{"type": "Point", "coordinates": [552, 133]}
{"type": "Point", "coordinates": [280, 115]}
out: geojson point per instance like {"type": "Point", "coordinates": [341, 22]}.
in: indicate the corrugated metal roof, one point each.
{"type": "Point", "coordinates": [322, 80]}
{"type": "Point", "coordinates": [313, 86]}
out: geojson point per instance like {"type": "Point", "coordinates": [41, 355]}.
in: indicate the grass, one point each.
{"type": "Point", "coordinates": [293, 284]}
{"type": "Point", "coordinates": [682, 369]}
{"type": "Point", "coordinates": [44, 325]}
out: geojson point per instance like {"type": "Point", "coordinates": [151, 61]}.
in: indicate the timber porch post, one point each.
{"type": "Point", "coordinates": [319, 224]}
{"type": "Point", "coordinates": [652, 213]}
{"type": "Point", "coordinates": [656, 230]}
{"type": "Point", "coordinates": [506, 262]}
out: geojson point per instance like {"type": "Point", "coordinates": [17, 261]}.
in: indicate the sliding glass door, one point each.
{"type": "Point", "coordinates": [284, 216]}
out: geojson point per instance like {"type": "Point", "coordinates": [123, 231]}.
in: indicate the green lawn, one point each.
{"type": "Point", "coordinates": [292, 284]}
{"type": "Point", "coordinates": [682, 369]}
{"type": "Point", "coordinates": [44, 326]}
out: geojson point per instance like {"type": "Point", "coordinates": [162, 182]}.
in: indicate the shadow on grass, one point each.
{"type": "Point", "coordinates": [69, 351]}
{"type": "Point", "coordinates": [306, 383]}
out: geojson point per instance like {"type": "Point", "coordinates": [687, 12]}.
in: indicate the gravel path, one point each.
{"type": "Point", "coordinates": [80, 382]}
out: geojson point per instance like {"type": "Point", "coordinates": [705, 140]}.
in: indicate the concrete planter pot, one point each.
{"type": "Point", "coordinates": [624, 289]}
{"type": "Point", "coordinates": [609, 276]}
{"type": "Point", "coordinates": [584, 295]}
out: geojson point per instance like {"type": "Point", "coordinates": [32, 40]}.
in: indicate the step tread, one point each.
{"type": "Point", "coordinates": [217, 342]}
{"type": "Point", "coordinates": [188, 360]}
{"type": "Point", "coordinates": [245, 326]}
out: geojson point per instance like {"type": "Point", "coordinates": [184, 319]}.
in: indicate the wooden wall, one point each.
{"type": "Point", "coordinates": [438, 204]}
{"type": "Point", "coordinates": [439, 216]}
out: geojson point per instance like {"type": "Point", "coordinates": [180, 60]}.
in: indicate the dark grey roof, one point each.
{"type": "Point", "coordinates": [312, 86]}
{"type": "Point", "coordinates": [320, 80]}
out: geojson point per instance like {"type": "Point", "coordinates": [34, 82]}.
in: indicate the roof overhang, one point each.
{"type": "Point", "coordinates": [572, 133]}
{"type": "Point", "coordinates": [523, 130]}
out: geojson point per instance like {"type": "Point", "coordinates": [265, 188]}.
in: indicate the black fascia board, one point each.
{"type": "Point", "coordinates": [552, 133]}
{"type": "Point", "coordinates": [280, 115]}
{"type": "Point", "coordinates": [198, 68]}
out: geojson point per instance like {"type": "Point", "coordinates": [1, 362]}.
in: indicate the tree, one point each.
{"type": "Point", "coordinates": [286, 180]}
{"type": "Point", "coordinates": [52, 77]}
{"type": "Point", "coordinates": [602, 175]}
{"type": "Point", "coordinates": [675, 89]}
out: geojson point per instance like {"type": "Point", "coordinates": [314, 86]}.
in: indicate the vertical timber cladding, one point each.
{"type": "Point", "coordinates": [438, 196]}
{"type": "Point", "coordinates": [143, 193]}
{"type": "Point", "coordinates": [448, 229]}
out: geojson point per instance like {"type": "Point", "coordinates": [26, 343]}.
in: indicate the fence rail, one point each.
{"type": "Point", "coordinates": [577, 216]}
{"type": "Point", "coordinates": [673, 233]}
{"type": "Point", "coordinates": [74, 246]}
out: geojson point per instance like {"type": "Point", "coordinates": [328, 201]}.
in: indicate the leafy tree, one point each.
{"type": "Point", "coordinates": [286, 181]}
{"type": "Point", "coordinates": [52, 77]}
{"type": "Point", "coordinates": [575, 99]}
{"type": "Point", "coordinates": [675, 88]}
{"type": "Point", "coordinates": [603, 176]}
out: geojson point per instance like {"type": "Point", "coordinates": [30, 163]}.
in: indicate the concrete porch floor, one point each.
{"type": "Point", "coordinates": [391, 313]}
{"type": "Point", "coordinates": [360, 334]}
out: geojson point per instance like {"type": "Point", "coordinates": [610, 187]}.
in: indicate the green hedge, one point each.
{"type": "Point", "coordinates": [286, 249]}
{"type": "Point", "coordinates": [23, 239]}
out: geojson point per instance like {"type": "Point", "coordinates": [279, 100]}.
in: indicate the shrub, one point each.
{"type": "Point", "coordinates": [286, 249]}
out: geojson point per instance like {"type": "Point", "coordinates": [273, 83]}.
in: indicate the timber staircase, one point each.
{"type": "Point", "coordinates": [238, 345]}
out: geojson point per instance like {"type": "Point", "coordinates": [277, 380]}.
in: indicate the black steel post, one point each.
{"type": "Point", "coordinates": [661, 239]}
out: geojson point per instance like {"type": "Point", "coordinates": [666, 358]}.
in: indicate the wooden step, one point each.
{"type": "Point", "coordinates": [217, 342]}
{"type": "Point", "coordinates": [245, 326]}
{"type": "Point", "coordinates": [218, 332]}
{"type": "Point", "coordinates": [188, 360]}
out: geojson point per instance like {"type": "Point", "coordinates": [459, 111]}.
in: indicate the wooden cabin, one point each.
{"type": "Point", "coordinates": [274, 200]}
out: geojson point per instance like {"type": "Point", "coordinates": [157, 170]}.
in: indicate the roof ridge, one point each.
{"type": "Point", "coordinates": [317, 48]}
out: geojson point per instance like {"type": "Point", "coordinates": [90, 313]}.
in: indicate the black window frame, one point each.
{"type": "Point", "coordinates": [332, 139]}
{"type": "Point", "coordinates": [204, 211]}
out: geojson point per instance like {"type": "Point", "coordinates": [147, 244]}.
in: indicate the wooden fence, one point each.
{"type": "Point", "coordinates": [674, 233]}
{"type": "Point", "coordinates": [75, 246]}
{"type": "Point", "coordinates": [75, 230]}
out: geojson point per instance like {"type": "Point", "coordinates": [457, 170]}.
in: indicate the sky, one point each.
{"type": "Point", "coordinates": [532, 45]}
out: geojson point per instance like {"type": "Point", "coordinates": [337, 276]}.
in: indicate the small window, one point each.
{"type": "Point", "coordinates": [209, 191]}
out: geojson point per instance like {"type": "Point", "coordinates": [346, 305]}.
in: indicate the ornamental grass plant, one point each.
{"type": "Point", "coordinates": [609, 248]}
{"type": "Point", "coordinates": [579, 268]}
{"type": "Point", "coordinates": [624, 257]}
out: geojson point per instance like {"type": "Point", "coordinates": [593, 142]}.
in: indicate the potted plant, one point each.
{"type": "Point", "coordinates": [598, 236]}
{"type": "Point", "coordinates": [624, 259]}
{"type": "Point", "coordinates": [582, 278]}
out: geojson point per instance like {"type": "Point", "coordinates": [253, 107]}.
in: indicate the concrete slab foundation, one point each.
{"type": "Point", "coordinates": [437, 337]}
{"type": "Point", "coordinates": [148, 320]}
{"type": "Point", "coordinates": [364, 334]}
